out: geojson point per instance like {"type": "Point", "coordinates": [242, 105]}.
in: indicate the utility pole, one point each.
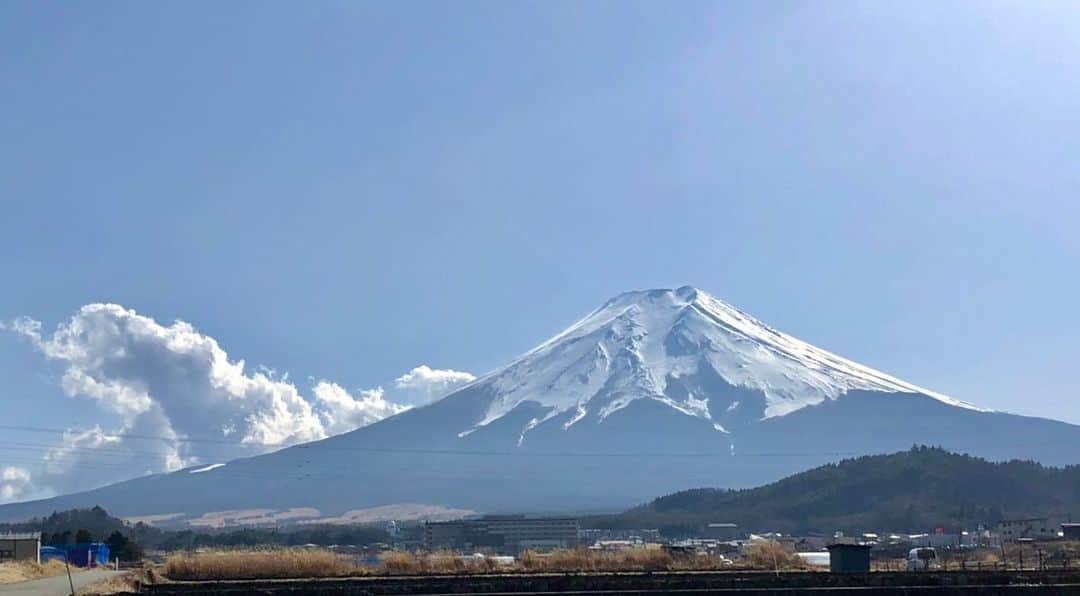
{"type": "Point", "coordinates": [67, 565]}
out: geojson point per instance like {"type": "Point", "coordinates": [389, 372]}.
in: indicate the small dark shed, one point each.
{"type": "Point", "coordinates": [849, 558]}
{"type": "Point", "coordinates": [20, 547]}
{"type": "Point", "coordinates": [1070, 531]}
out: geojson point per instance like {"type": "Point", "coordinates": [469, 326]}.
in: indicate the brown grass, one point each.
{"type": "Point", "coordinates": [399, 562]}
{"type": "Point", "coordinates": [1067, 549]}
{"type": "Point", "coordinates": [259, 564]}
{"type": "Point", "coordinates": [300, 563]}
{"type": "Point", "coordinates": [442, 561]}
{"type": "Point", "coordinates": [888, 564]}
{"type": "Point", "coordinates": [773, 556]}
{"type": "Point", "coordinates": [22, 571]}
{"type": "Point", "coordinates": [702, 563]}
{"type": "Point", "coordinates": [448, 562]}
{"type": "Point", "coordinates": [642, 559]}
{"type": "Point", "coordinates": [122, 584]}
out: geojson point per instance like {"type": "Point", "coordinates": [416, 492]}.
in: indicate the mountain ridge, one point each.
{"type": "Point", "coordinates": [655, 391]}
{"type": "Point", "coordinates": [909, 491]}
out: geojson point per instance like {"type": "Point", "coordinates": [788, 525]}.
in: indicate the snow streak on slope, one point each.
{"type": "Point", "coordinates": [635, 346]}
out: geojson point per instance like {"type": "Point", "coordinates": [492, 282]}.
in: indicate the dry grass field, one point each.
{"type": "Point", "coordinates": [770, 555]}
{"type": "Point", "coordinates": [124, 584]}
{"type": "Point", "coordinates": [560, 560]}
{"type": "Point", "coordinates": [11, 573]}
{"type": "Point", "coordinates": [302, 563]}
{"type": "Point", "coordinates": [405, 563]}
{"type": "Point", "coordinates": [259, 564]}
{"type": "Point", "coordinates": [585, 560]}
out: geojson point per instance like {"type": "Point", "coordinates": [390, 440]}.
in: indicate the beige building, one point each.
{"type": "Point", "coordinates": [508, 534]}
{"type": "Point", "coordinates": [20, 547]}
{"type": "Point", "coordinates": [1033, 528]}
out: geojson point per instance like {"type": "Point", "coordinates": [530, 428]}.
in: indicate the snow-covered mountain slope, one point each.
{"type": "Point", "coordinates": [654, 392]}
{"type": "Point", "coordinates": [641, 344]}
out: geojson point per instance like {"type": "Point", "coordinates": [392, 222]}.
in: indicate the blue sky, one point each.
{"type": "Point", "coordinates": [345, 191]}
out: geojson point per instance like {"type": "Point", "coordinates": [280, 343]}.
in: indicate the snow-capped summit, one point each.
{"type": "Point", "coordinates": [678, 347]}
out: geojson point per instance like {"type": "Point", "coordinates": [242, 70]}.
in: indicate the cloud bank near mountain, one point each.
{"type": "Point", "coordinates": [179, 400]}
{"type": "Point", "coordinates": [424, 384]}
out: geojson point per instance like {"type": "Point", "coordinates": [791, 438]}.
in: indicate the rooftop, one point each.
{"type": "Point", "coordinates": [847, 545]}
{"type": "Point", "coordinates": [20, 535]}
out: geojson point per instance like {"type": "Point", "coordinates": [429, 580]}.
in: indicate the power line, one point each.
{"type": "Point", "coordinates": [322, 446]}
{"type": "Point", "coordinates": [478, 452]}
{"type": "Point", "coordinates": [27, 461]}
{"type": "Point", "coordinates": [64, 431]}
{"type": "Point", "coordinates": [17, 446]}
{"type": "Point", "coordinates": [66, 447]}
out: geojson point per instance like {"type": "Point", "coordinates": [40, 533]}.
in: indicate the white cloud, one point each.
{"type": "Point", "coordinates": [94, 456]}
{"type": "Point", "coordinates": [15, 484]}
{"type": "Point", "coordinates": [170, 388]}
{"type": "Point", "coordinates": [131, 365]}
{"type": "Point", "coordinates": [341, 412]}
{"type": "Point", "coordinates": [424, 384]}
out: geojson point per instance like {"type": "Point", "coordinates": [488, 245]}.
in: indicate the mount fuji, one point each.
{"type": "Point", "coordinates": [654, 392]}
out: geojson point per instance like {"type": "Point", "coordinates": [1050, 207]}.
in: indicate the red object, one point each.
{"type": "Point", "coordinates": [939, 531]}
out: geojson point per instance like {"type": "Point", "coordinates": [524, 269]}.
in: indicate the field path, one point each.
{"type": "Point", "coordinates": [57, 585]}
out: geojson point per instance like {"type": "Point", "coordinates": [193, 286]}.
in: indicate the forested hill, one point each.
{"type": "Point", "coordinates": [95, 524]}
{"type": "Point", "coordinates": [915, 490]}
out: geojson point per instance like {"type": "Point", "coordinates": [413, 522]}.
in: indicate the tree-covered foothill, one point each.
{"type": "Point", "coordinates": [129, 541]}
{"type": "Point", "coordinates": [911, 491]}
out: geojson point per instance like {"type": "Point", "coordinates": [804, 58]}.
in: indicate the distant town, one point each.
{"type": "Point", "coordinates": [510, 535]}
{"type": "Point", "coordinates": [1046, 542]}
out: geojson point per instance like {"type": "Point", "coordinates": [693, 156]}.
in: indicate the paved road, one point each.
{"type": "Point", "coordinates": [56, 586]}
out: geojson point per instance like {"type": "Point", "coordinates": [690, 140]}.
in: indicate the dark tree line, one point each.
{"type": "Point", "coordinates": [128, 541]}
{"type": "Point", "coordinates": [911, 491]}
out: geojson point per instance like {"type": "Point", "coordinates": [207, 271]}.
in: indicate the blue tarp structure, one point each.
{"type": "Point", "coordinates": [51, 553]}
{"type": "Point", "coordinates": [79, 555]}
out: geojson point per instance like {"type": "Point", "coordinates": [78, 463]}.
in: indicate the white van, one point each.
{"type": "Point", "coordinates": [922, 558]}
